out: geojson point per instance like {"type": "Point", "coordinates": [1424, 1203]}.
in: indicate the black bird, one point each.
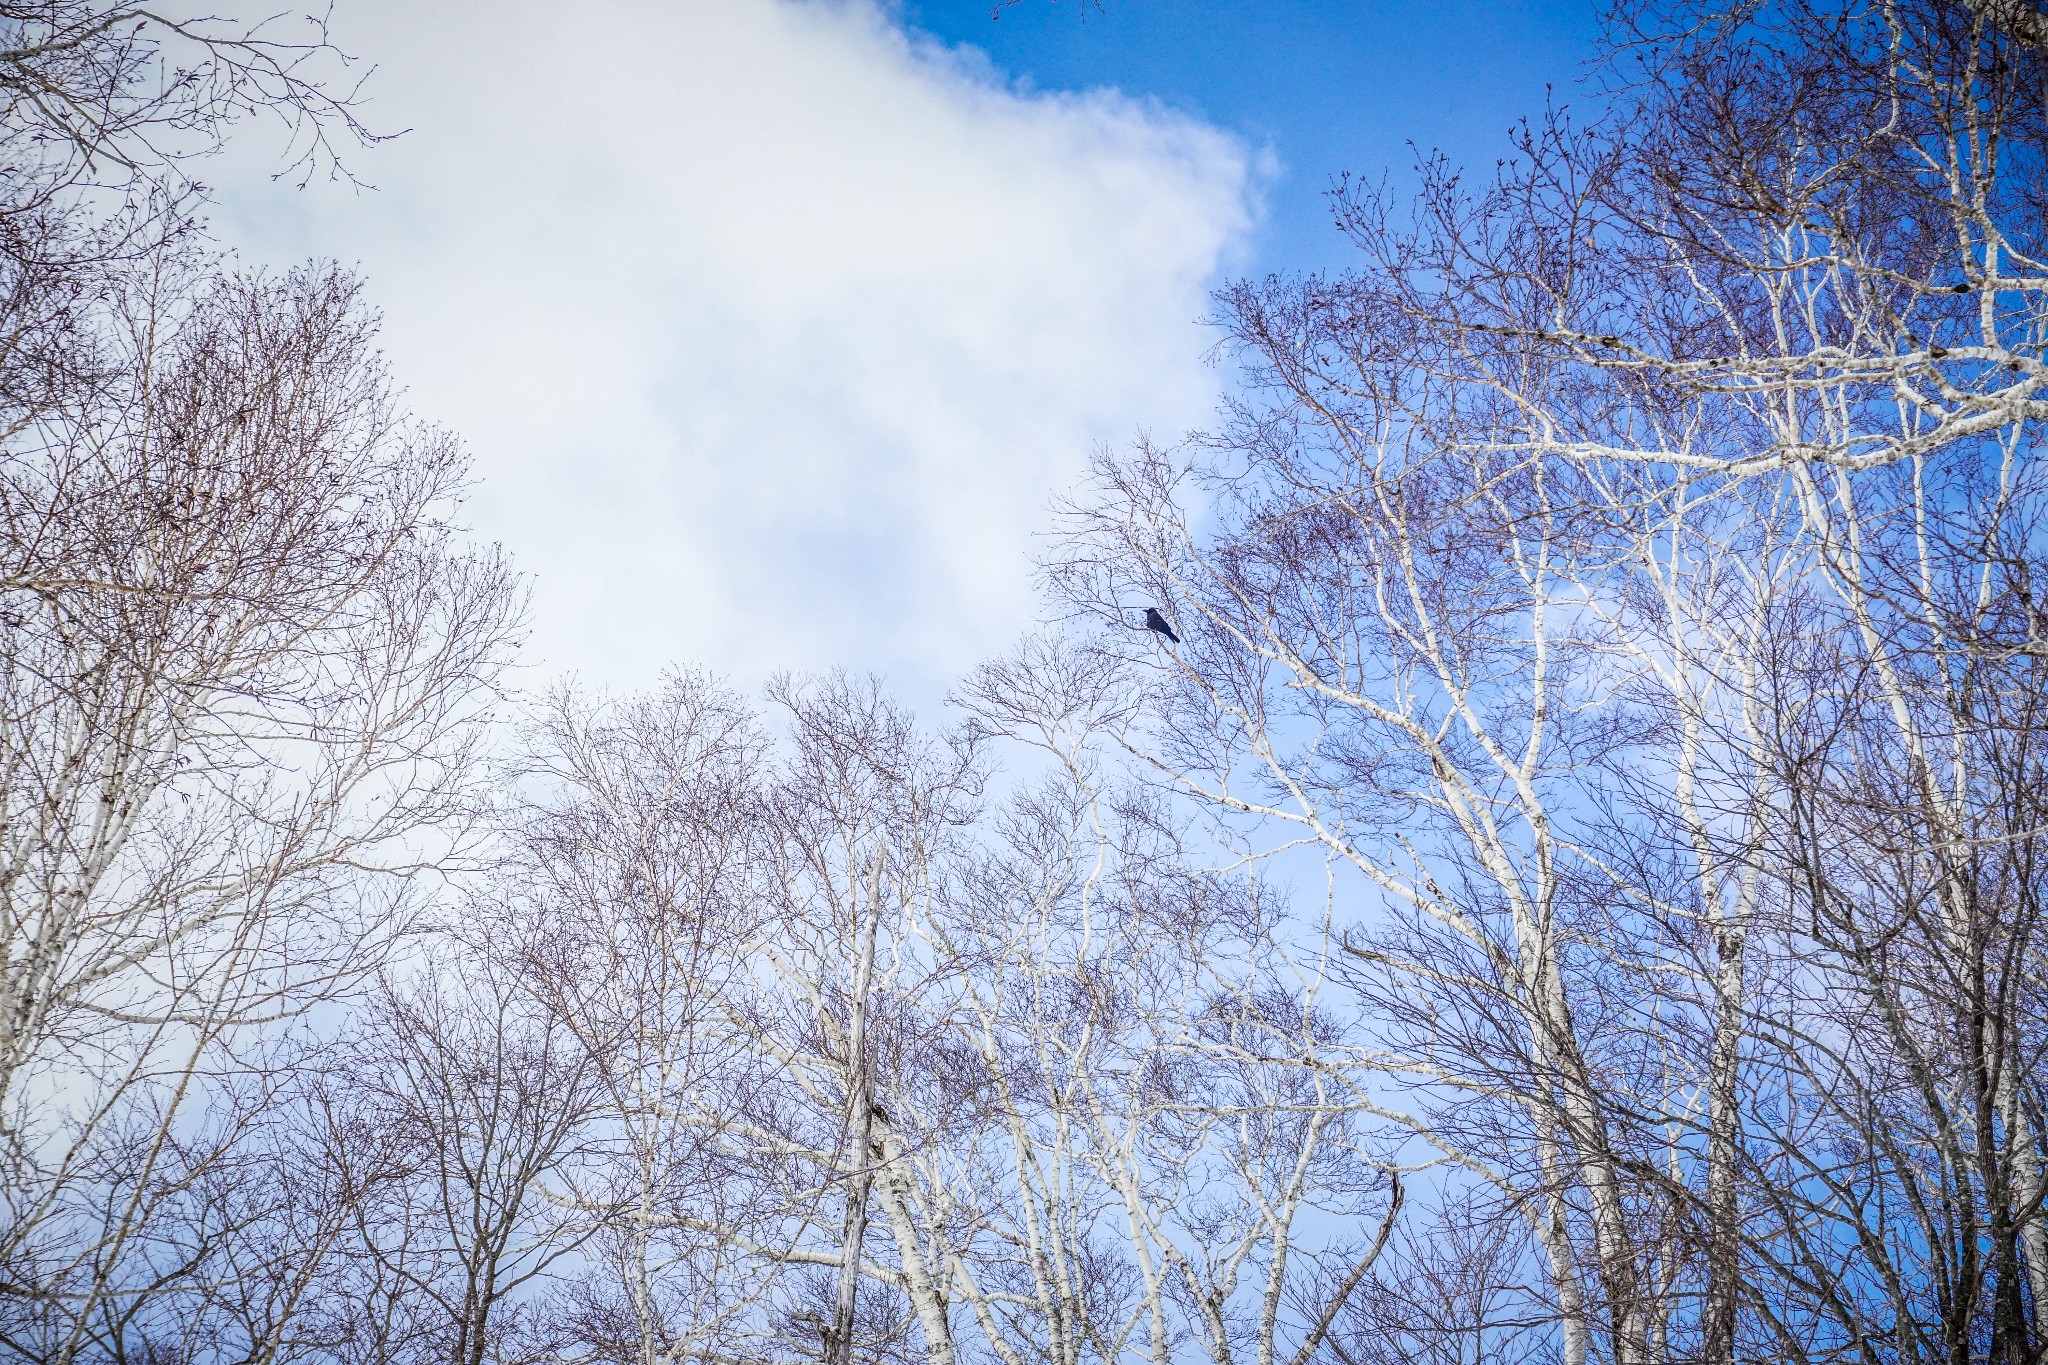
{"type": "Point", "coordinates": [1156, 623]}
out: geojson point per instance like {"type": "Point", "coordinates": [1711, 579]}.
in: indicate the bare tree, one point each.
{"type": "Point", "coordinates": [479, 1103]}
{"type": "Point", "coordinates": [1190, 1176]}
{"type": "Point", "coordinates": [245, 667]}
{"type": "Point", "coordinates": [631, 890]}
{"type": "Point", "coordinates": [887, 1076]}
{"type": "Point", "coordinates": [861, 815]}
{"type": "Point", "coordinates": [119, 98]}
{"type": "Point", "coordinates": [104, 111]}
{"type": "Point", "coordinates": [1626, 574]}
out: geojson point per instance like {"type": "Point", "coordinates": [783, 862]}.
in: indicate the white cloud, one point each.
{"type": "Point", "coordinates": [773, 330]}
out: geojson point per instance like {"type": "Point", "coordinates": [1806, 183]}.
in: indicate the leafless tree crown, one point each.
{"type": "Point", "coordinates": [1567, 888]}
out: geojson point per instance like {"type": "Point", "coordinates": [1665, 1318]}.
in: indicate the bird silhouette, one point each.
{"type": "Point", "coordinates": [1156, 623]}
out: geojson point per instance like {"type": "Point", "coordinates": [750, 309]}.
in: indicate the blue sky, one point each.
{"type": "Point", "coordinates": [775, 326]}
{"type": "Point", "coordinates": [1328, 86]}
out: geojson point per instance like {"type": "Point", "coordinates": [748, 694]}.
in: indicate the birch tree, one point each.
{"type": "Point", "coordinates": [629, 891]}
{"type": "Point", "coordinates": [245, 666]}
{"type": "Point", "coordinates": [1562, 556]}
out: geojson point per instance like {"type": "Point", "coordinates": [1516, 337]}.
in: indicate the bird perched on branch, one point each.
{"type": "Point", "coordinates": [1157, 624]}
